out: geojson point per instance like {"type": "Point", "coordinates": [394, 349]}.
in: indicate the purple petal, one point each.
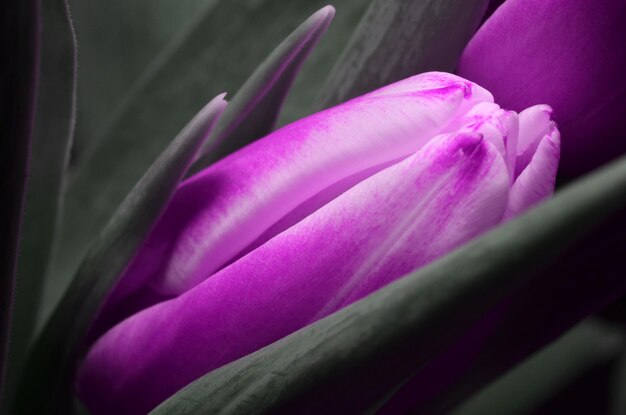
{"type": "Point", "coordinates": [537, 180]}
{"type": "Point", "coordinates": [389, 224]}
{"type": "Point", "coordinates": [569, 54]}
{"type": "Point", "coordinates": [498, 126]}
{"type": "Point", "coordinates": [535, 123]}
{"type": "Point", "coordinates": [218, 213]}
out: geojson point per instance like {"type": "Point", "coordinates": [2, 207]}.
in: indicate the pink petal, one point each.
{"type": "Point", "coordinates": [218, 213]}
{"type": "Point", "coordinates": [537, 180]}
{"type": "Point", "coordinates": [535, 122]}
{"type": "Point", "coordinates": [389, 224]}
{"type": "Point", "coordinates": [498, 126]}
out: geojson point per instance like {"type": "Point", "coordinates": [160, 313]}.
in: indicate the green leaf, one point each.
{"type": "Point", "coordinates": [215, 51]}
{"type": "Point", "coordinates": [587, 277]}
{"type": "Point", "coordinates": [50, 369]}
{"type": "Point", "coordinates": [527, 386]}
{"type": "Point", "coordinates": [618, 405]}
{"type": "Point", "coordinates": [49, 153]}
{"type": "Point", "coordinates": [400, 38]}
{"type": "Point", "coordinates": [384, 339]}
{"type": "Point", "coordinates": [19, 55]}
{"type": "Point", "coordinates": [301, 99]}
{"type": "Point", "coordinates": [118, 40]}
{"type": "Point", "coordinates": [253, 111]}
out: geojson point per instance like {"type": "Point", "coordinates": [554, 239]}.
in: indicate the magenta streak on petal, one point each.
{"type": "Point", "coordinates": [292, 165]}
{"type": "Point", "coordinates": [218, 213]}
{"type": "Point", "coordinates": [395, 221]}
{"type": "Point", "coordinates": [498, 126]}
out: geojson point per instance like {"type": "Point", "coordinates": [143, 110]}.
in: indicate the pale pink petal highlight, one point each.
{"type": "Point", "coordinates": [536, 182]}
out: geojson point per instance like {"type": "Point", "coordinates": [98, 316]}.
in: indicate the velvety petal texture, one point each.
{"type": "Point", "coordinates": [569, 54]}
{"type": "Point", "coordinates": [536, 182]}
{"type": "Point", "coordinates": [251, 195]}
{"type": "Point", "coordinates": [384, 227]}
{"type": "Point", "coordinates": [310, 219]}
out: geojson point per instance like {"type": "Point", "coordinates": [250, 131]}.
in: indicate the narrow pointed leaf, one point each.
{"type": "Point", "coordinates": [19, 55]}
{"type": "Point", "coordinates": [533, 382]}
{"type": "Point", "coordinates": [217, 50]}
{"type": "Point", "coordinates": [254, 109]}
{"type": "Point", "coordinates": [314, 73]}
{"type": "Point", "coordinates": [382, 340]}
{"type": "Point", "coordinates": [399, 38]}
{"type": "Point", "coordinates": [50, 369]}
{"type": "Point", "coordinates": [49, 153]}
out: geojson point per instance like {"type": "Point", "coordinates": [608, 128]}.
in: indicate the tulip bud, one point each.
{"type": "Point", "coordinates": [312, 218]}
{"type": "Point", "coordinates": [250, 196]}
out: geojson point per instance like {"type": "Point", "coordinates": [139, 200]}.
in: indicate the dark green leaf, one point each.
{"type": "Point", "coordinates": [384, 339]}
{"type": "Point", "coordinates": [50, 369]}
{"type": "Point", "coordinates": [618, 406]}
{"type": "Point", "coordinates": [49, 152]}
{"type": "Point", "coordinates": [253, 111]}
{"type": "Point", "coordinates": [301, 99]}
{"type": "Point", "coordinates": [400, 38]}
{"type": "Point", "coordinates": [527, 386]}
{"type": "Point", "coordinates": [216, 51]}
{"type": "Point", "coordinates": [19, 54]}
{"type": "Point", "coordinates": [118, 40]}
{"type": "Point", "coordinates": [584, 279]}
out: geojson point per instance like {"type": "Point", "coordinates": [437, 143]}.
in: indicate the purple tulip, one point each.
{"type": "Point", "coordinates": [310, 219]}
{"type": "Point", "coordinates": [570, 54]}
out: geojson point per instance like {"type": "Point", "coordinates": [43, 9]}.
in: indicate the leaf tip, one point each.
{"type": "Point", "coordinates": [323, 17]}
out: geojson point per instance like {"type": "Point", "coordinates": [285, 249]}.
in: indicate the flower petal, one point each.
{"type": "Point", "coordinates": [498, 126]}
{"type": "Point", "coordinates": [569, 54]}
{"type": "Point", "coordinates": [216, 214]}
{"type": "Point", "coordinates": [391, 223]}
{"type": "Point", "coordinates": [534, 123]}
{"type": "Point", "coordinates": [537, 180]}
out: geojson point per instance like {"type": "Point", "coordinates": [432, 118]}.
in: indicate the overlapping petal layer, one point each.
{"type": "Point", "coordinates": [536, 182]}
{"type": "Point", "coordinates": [243, 199]}
{"type": "Point", "coordinates": [384, 227]}
{"type": "Point", "coordinates": [310, 219]}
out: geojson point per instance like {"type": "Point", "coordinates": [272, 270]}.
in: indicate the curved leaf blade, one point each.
{"type": "Point", "coordinates": [51, 141]}
{"type": "Point", "coordinates": [382, 340]}
{"type": "Point", "coordinates": [50, 369]}
{"type": "Point", "coordinates": [253, 111]}
{"type": "Point", "coordinates": [400, 38]}
{"type": "Point", "coordinates": [183, 77]}
{"type": "Point", "coordinates": [19, 61]}
{"type": "Point", "coordinates": [314, 73]}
